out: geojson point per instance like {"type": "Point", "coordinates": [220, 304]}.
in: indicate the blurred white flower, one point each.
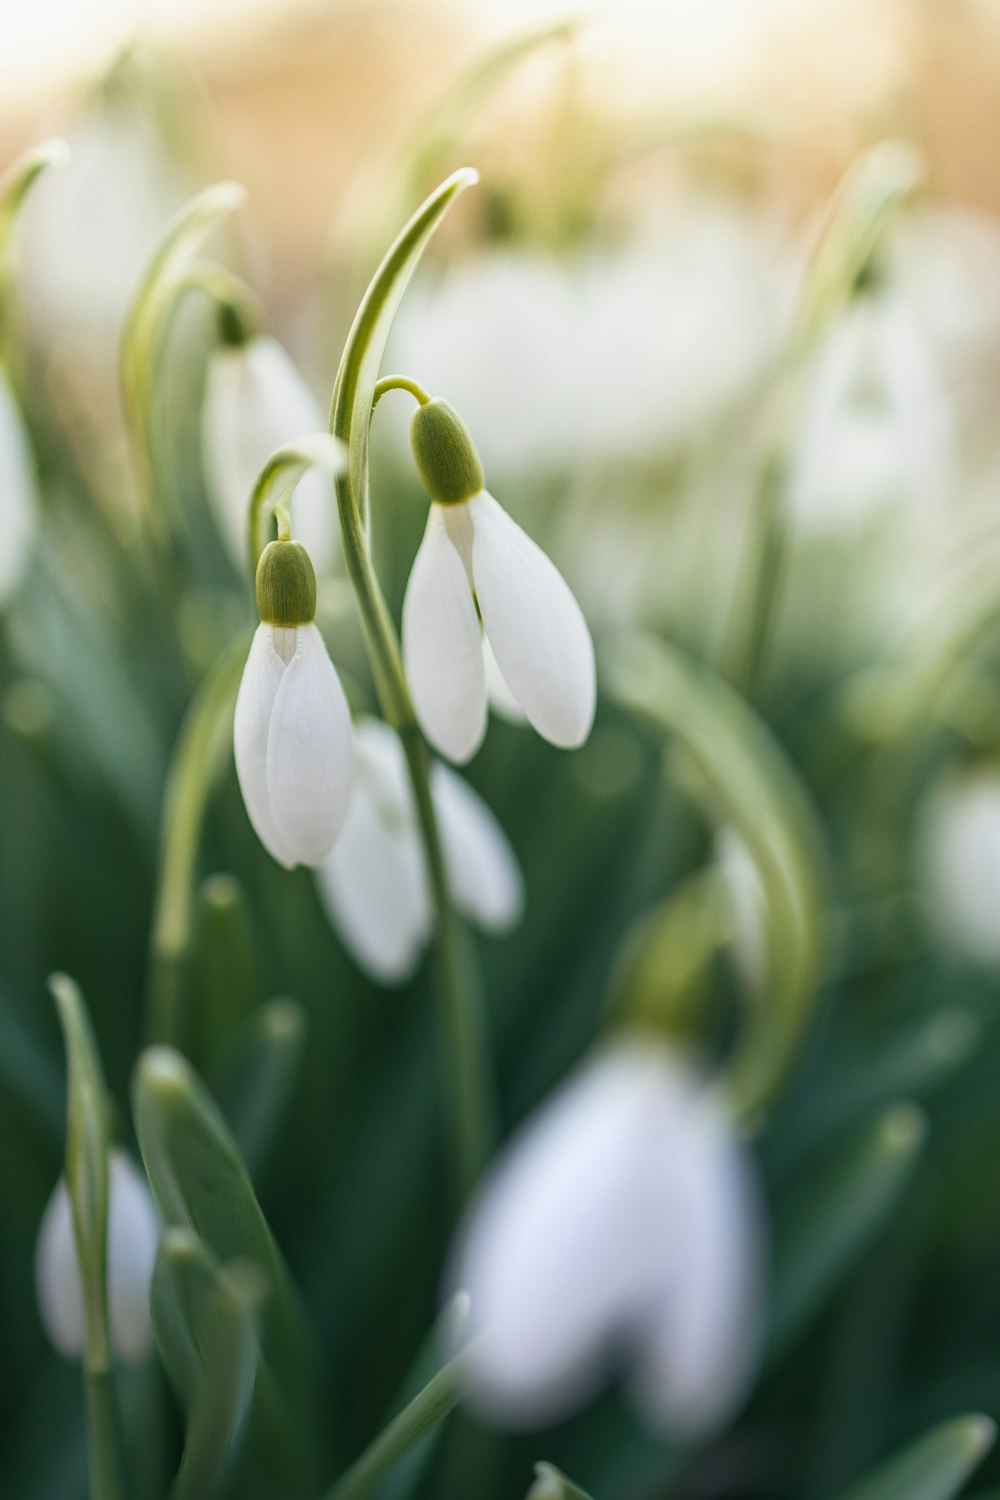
{"type": "Point", "coordinates": [959, 863]}
{"type": "Point", "coordinates": [133, 1232]}
{"type": "Point", "coordinates": [474, 563]}
{"type": "Point", "coordinates": [292, 741]}
{"type": "Point", "coordinates": [620, 1230]}
{"type": "Point", "coordinates": [374, 884]}
{"type": "Point", "coordinates": [631, 348]}
{"type": "Point", "coordinates": [18, 493]}
{"type": "Point", "coordinates": [88, 231]}
{"type": "Point", "coordinates": [256, 401]}
{"type": "Point", "coordinates": [878, 427]}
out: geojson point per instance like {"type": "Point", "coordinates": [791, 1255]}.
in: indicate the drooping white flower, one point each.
{"type": "Point", "coordinates": [620, 1232]}
{"type": "Point", "coordinates": [256, 401]}
{"type": "Point", "coordinates": [959, 863]}
{"type": "Point", "coordinates": [292, 728]}
{"type": "Point", "coordinates": [374, 885]}
{"type": "Point", "coordinates": [477, 573]}
{"type": "Point", "coordinates": [18, 494]}
{"type": "Point", "coordinates": [878, 429]}
{"type": "Point", "coordinates": [133, 1232]}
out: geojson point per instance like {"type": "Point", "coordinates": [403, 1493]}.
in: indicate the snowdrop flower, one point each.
{"type": "Point", "coordinates": [133, 1232]}
{"type": "Point", "coordinates": [374, 885]}
{"type": "Point", "coordinates": [474, 565]}
{"type": "Point", "coordinates": [18, 496]}
{"type": "Point", "coordinates": [878, 428]}
{"type": "Point", "coordinates": [255, 401]}
{"type": "Point", "coordinates": [620, 1230]}
{"type": "Point", "coordinates": [959, 863]}
{"type": "Point", "coordinates": [292, 729]}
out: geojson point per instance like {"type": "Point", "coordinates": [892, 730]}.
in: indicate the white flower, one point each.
{"type": "Point", "coordinates": [878, 429]}
{"type": "Point", "coordinates": [959, 863]}
{"type": "Point", "coordinates": [374, 884]}
{"type": "Point", "coordinates": [18, 495]}
{"type": "Point", "coordinates": [621, 1229]}
{"type": "Point", "coordinates": [292, 740]}
{"type": "Point", "coordinates": [133, 1232]}
{"type": "Point", "coordinates": [256, 401]}
{"type": "Point", "coordinates": [474, 553]}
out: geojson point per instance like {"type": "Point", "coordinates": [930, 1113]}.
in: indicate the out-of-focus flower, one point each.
{"type": "Point", "coordinates": [292, 728]}
{"type": "Point", "coordinates": [256, 401]}
{"type": "Point", "coordinates": [632, 349]}
{"type": "Point", "coordinates": [133, 1232]}
{"type": "Point", "coordinates": [476, 572]}
{"type": "Point", "coordinates": [959, 863]}
{"type": "Point", "coordinates": [621, 1230]}
{"type": "Point", "coordinates": [89, 230]}
{"type": "Point", "coordinates": [878, 427]}
{"type": "Point", "coordinates": [374, 885]}
{"type": "Point", "coordinates": [18, 495]}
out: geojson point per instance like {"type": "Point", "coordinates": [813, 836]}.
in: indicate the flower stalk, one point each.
{"type": "Point", "coordinates": [354, 396]}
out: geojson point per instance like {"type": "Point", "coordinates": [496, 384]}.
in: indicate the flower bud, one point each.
{"type": "Point", "coordinates": [286, 585]}
{"type": "Point", "coordinates": [445, 454]}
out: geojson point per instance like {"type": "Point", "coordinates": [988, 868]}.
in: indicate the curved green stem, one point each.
{"type": "Point", "coordinates": [350, 417]}
{"type": "Point", "coordinates": [275, 485]}
{"type": "Point", "coordinates": [204, 736]}
{"type": "Point", "coordinates": [398, 383]}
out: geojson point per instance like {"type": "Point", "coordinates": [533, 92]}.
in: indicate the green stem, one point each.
{"type": "Point", "coordinates": [398, 383]}
{"type": "Point", "coordinates": [460, 1003]}
{"type": "Point", "coordinates": [203, 738]}
{"type": "Point", "coordinates": [105, 1458]}
{"type": "Point", "coordinates": [415, 1422]}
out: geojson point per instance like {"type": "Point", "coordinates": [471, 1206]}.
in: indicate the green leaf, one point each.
{"type": "Point", "coordinates": [18, 180]}
{"type": "Point", "coordinates": [202, 1184]}
{"type": "Point", "coordinates": [744, 781]}
{"type": "Point", "coordinates": [87, 1147]}
{"type": "Point", "coordinates": [935, 1467]}
{"type": "Point", "coordinates": [204, 1318]}
{"type": "Point", "coordinates": [830, 1220]}
{"type": "Point", "coordinates": [257, 1074]}
{"type": "Point", "coordinates": [228, 987]}
{"type": "Point", "coordinates": [354, 391]}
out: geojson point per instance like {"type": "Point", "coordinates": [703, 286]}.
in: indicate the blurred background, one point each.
{"type": "Point", "coordinates": [611, 311]}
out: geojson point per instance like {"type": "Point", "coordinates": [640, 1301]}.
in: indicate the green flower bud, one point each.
{"type": "Point", "coordinates": [445, 453]}
{"type": "Point", "coordinates": [286, 585]}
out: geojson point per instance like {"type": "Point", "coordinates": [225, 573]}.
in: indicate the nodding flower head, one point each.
{"type": "Point", "coordinates": [478, 575]}
{"type": "Point", "coordinates": [619, 1233]}
{"type": "Point", "coordinates": [292, 730]}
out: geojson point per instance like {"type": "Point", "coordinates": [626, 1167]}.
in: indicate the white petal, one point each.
{"type": "Point", "coordinates": [309, 752]}
{"type": "Point", "coordinates": [18, 496]}
{"type": "Point", "coordinates": [441, 642]}
{"type": "Point", "coordinates": [535, 626]}
{"type": "Point", "coordinates": [499, 695]}
{"type": "Point", "coordinates": [57, 1275]}
{"type": "Point", "coordinates": [251, 725]}
{"type": "Point", "coordinates": [702, 1329]}
{"type": "Point", "coordinates": [483, 872]}
{"type": "Point", "coordinates": [133, 1232]}
{"type": "Point", "coordinates": [551, 1253]}
{"type": "Point", "coordinates": [256, 401]}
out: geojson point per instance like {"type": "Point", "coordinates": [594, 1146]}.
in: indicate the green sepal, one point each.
{"type": "Point", "coordinates": [87, 1145]}
{"type": "Point", "coordinates": [935, 1467]}
{"type": "Point", "coordinates": [286, 585]}
{"type": "Point", "coordinates": [444, 453]}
